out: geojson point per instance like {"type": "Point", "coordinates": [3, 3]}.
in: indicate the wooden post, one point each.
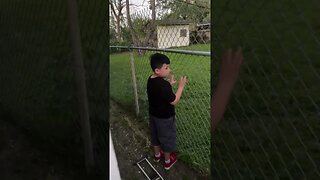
{"type": "Point", "coordinates": [134, 82]}
{"type": "Point", "coordinates": [81, 84]}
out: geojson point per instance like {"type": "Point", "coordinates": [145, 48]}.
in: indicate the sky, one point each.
{"type": "Point", "coordinates": [139, 5]}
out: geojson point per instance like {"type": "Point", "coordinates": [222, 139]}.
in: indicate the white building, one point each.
{"type": "Point", "coordinates": [173, 34]}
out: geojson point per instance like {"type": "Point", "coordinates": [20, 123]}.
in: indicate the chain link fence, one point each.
{"type": "Point", "coordinates": [38, 82]}
{"type": "Point", "coordinates": [271, 128]}
{"type": "Point", "coordinates": [187, 44]}
{"type": "Point", "coordinates": [172, 32]}
{"type": "Point", "coordinates": [193, 118]}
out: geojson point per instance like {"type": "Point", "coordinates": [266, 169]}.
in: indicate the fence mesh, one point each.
{"type": "Point", "coordinates": [193, 118]}
{"type": "Point", "coordinates": [271, 128]}
{"type": "Point", "coordinates": [37, 75]}
{"type": "Point", "coordinates": [192, 112]}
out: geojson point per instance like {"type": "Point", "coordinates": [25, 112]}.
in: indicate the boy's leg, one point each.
{"type": "Point", "coordinates": [166, 156]}
{"type": "Point", "coordinates": [166, 129]}
{"type": "Point", "coordinates": [158, 153]}
{"type": "Point", "coordinates": [154, 134]}
{"type": "Point", "coordinates": [154, 140]}
{"type": "Point", "coordinates": [156, 150]}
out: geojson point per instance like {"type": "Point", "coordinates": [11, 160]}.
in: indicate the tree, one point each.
{"type": "Point", "coordinates": [135, 39]}
{"type": "Point", "coordinates": [193, 10]}
{"type": "Point", "coordinates": [150, 28]}
{"type": "Point", "coordinates": [117, 7]}
{"type": "Point", "coordinates": [142, 29]}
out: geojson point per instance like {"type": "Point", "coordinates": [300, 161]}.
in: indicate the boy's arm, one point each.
{"type": "Point", "coordinates": [228, 75]}
{"type": "Point", "coordinates": [182, 83]}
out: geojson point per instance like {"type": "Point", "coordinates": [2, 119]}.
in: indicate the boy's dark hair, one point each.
{"type": "Point", "coordinates": [157, 60]}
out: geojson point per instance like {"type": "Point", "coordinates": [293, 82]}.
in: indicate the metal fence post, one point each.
{"type": "Point", "coordinates": [134, 82]}
{"type": "Point", "coordinates": [81, 84]}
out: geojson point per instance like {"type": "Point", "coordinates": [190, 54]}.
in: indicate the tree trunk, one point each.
{"type": "Point", "coordinates": [116, 11]}
{"type": "Point", "coordinates": [153, 10]}
{"type": "Point", "coordinates": [118, 28]}
{"type": "Point", "coordinates": [151, 35]}
{"type": "Point", "coordinates": [134, 36]}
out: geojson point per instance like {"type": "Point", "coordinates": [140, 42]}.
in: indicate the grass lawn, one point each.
{"type": "Point", "coordinates": [193, 109]}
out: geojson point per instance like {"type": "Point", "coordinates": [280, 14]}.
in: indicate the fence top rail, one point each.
{"type": "Point", "coordinates": [200, 53]}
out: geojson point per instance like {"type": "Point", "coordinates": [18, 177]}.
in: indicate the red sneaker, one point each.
{"type": "Point", "coordinates": [157, 159]}
{"type": "Point", "coordinates": [173, 160]}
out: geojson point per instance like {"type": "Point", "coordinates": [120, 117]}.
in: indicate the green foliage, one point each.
{"type": "Point", "coordinates": [197, 11]}
{"type": "Point", "coordinates": [139, 25]}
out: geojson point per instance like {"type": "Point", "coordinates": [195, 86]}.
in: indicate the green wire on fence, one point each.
{"type": "Point", "coordinates": [193, 118]}
{"type": "Point", "coordinates": [37, 80]}
{"type": "Point", "coordinates": [270, 128]}
{"type": "Point", "coordinates": [187, 43]}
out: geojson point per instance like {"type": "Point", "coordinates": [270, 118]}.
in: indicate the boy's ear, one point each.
{"type": "Point", "coordinates": [156, 70]}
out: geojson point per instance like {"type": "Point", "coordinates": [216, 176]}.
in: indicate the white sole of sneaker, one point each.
{"type": "Point", "coordinates": [167, 168]}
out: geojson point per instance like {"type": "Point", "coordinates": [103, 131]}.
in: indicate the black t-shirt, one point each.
{"type": "Point", "coordinates": [160, 95]}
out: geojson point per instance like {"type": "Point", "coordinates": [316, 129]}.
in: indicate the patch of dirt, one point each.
{"type": "Point", "coordinates": [131, 142]}
{"type": "Point", "coordinates": [20, 159]}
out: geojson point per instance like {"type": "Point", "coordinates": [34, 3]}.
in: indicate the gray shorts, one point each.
{"type": "Point", "coordinates": [163, 133]}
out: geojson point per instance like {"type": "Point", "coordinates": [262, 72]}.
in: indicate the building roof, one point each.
{"type": "Point", "coordinates": [204, 24]}
{"type": "Point", "coordinates": [173, 22]}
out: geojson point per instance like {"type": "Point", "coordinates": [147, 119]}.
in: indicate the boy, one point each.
{"type": "Point", "coordinates": [161, 109]}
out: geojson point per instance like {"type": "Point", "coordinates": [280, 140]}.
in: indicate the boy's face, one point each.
{"type": "Point", "coordinates": [164, 71]}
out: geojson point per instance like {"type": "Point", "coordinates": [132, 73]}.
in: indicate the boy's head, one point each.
{"type": "Point", "coordinates": [160, 64]}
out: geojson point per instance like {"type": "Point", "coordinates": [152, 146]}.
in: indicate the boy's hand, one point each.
{"type": "Point", "coordinates": [230, 67]}
{"type": "Point", "coordinates": [183, 81]}
{"type": "Point", "coordinates": [172, 80]}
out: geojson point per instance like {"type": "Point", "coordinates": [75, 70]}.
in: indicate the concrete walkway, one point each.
{"type": "Point", "coordinates": [113, 163]}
